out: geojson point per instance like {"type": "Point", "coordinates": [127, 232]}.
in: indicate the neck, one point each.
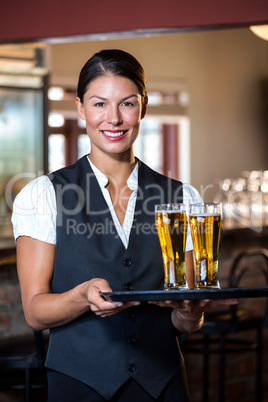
{"type": "Point", "coordinates": [117, 166]}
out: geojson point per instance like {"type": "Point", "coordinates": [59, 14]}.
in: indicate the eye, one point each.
{"type": "Point", "coordinates": [99, 104]}
{"type": "Point", "coordinates": [128, 104]}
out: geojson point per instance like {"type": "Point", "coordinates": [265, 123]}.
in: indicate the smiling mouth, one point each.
{"type": "Point", "coordinates": [114, 134]}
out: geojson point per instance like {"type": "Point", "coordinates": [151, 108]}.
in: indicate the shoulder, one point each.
{"type": "Point", "coordinates": [35, 195]}
{"type": "Point", "coordinates": [34, 190]}
{"type": "Point", "coordinates": [34, 211]}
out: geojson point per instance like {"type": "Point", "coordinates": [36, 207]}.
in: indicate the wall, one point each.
{"type": "Point", "coordinates": [32, 20]}
{"type": "Point", "coordinates": [224, 70]}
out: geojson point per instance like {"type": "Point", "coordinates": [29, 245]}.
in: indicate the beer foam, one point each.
{"type": "Point", "coordinates": [172, 211]}
{"type": "Point", "coordinates": [203, 215]}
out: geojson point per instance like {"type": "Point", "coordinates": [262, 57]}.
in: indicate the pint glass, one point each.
{"type": "Point", "coordinates": [171, 222]}
{"type": "Point", "coordinates": [205, 224]}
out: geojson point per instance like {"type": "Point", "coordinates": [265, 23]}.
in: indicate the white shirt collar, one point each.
{"type": "Point", "coordinates": [132, 181]}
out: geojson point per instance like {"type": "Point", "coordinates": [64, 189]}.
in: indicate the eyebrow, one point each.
{"type": "Point", "coordinates": [123, 99]}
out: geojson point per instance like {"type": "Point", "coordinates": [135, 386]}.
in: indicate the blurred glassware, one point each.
{"type": "Point", "coordinates": [244, 200]}
{"type": "Point", "coordinates": [222, 197]}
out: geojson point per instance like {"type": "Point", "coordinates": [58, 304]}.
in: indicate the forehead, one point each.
{"type": "Point", "coordinates": [112, 84]}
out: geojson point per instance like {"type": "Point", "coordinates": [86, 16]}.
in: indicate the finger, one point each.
{"type": "Point", "coordinates": [224, 302]}
{"type": "Point", "coordinates": [106, 297]}
{"type": "Point", "coordinates": [169, 303]}
{"type": "Point", "coordinates": [165, 303]}
{"type": "Point", "coordinates": [230, 301]}
{"type": "Point", "coordinates": [204, 303]}
{"type": "Point", "coordinates": [188, 303]}
{"type": "Point", "coordinates": [210, 304]}
{"type": "Point", "coordinates": [101, 305]}
{"type": "Point", "coordinates": [116, 308]}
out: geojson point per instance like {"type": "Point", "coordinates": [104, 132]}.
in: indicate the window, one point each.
{"type": "Point", "coordinates": [56, 152]}
{"type": "Point", "coordinates": [83, 143]}
{"type": "Point", "coordinates": [147, 146]}
{"type": "Point", "coordinates": [164, 144]}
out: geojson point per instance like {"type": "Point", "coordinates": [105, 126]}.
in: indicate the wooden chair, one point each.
{"type": "Point", "coordinates": [220, 326]}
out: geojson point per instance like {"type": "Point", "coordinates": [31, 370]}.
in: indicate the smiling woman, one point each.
{"type": "Point", "coordinates": [88, 228]}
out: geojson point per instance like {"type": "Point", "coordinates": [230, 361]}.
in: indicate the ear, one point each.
{"type": "Point", "coordinates": [80, 108]}
{"type": "Point", "coordinates": [144, 107]}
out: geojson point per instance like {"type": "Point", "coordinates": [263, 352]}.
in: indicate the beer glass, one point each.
{"type": "Point", "coordinates": [205, 225]}
{"type": "Point", "coordinates": [171, 222]}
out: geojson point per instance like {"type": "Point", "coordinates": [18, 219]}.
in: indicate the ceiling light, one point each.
{"type": "Point", "coordinates": [260, 30]}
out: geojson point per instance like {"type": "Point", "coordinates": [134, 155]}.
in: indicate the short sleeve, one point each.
{"type": "Point", "coordinates": [34, 211]}
{"type": "Point", "coordinates": [190, 196]}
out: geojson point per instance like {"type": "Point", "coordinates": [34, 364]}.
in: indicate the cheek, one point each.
{"type": "Point", "coordinates": [133, 118]}
{"type": "Point", "coordinates": [93, 119]}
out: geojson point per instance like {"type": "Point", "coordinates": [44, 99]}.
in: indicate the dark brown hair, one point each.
{"type": "Point", "coordinates": [114, 62]}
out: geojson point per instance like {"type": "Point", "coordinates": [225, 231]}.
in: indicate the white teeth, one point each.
{"type": "Point", "coordinates": [110, 134]}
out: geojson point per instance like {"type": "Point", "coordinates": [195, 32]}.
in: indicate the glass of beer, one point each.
{"type": "Point", "coordinates": [171, 222]}
{"type": "Point", "coordinates": [205, 224]}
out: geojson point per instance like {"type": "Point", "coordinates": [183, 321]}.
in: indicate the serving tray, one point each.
{"type": "Point", "coordinates": [193, 294]}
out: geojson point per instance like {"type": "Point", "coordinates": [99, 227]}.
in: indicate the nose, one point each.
{"type": "Point", "coordinates": [114, 116]}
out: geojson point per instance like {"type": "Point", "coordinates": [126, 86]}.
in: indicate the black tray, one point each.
{"type": "Point", "coordinates": [195, 294]}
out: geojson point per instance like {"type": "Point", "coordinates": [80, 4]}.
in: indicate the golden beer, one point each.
{"type": "Point", "coordinates": [172, 229]}
{"type": "Point", "coordinates": [206, 230]}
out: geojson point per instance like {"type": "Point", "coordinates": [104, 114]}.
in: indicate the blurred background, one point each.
{"type": "Point", "coordinates": [207, 120]}
{"type": "Point", "coordinates": [206, 124]}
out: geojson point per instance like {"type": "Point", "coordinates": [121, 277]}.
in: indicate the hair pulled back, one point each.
{"type": "Point", "coordinates": [111, 62]}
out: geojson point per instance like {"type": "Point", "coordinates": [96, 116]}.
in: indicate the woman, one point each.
{"type": "Point", "coordinates": [84, 230]}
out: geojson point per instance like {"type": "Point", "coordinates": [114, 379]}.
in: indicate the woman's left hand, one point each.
{"type": "Point", "coordinates": [188, 315]}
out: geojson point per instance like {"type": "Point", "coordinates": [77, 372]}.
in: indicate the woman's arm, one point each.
{"type": "Point", "coordinates": [188, 315]}
{"type": "Point", "coordinates": [42, 308]}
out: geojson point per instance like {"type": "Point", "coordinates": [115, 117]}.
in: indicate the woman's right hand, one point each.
{"type": "Point", "coordinates": [98, 304]}
{"type": "Point", "coordinates": [44, 309]}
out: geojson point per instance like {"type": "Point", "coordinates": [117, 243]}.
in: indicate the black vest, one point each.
{"type": "Point", "coordinates": [139, 342]}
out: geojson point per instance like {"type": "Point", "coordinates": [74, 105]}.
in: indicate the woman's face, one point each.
{"type": "Point", "coordinates": [112, 108]}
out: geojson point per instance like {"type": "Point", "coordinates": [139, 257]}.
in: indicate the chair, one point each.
{"type": "Point", "coordinates": [220, 324]}
{"type": "Point", "coordinates": [22, 363]}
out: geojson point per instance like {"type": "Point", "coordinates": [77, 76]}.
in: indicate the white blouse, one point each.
{"type": "Point", "coordinates": [34, 209]}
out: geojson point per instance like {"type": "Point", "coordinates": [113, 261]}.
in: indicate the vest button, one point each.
{"type": "Point", "coordinates": [131, 314]}
{"type": "Point", "coordinates": [128, 262]}
{"type": "Point", "coordinates": [131, 340]}
{"type": "Point", "coordinates": [129, 287]}
{"type": "Point", "coordinates": [132, 368]}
